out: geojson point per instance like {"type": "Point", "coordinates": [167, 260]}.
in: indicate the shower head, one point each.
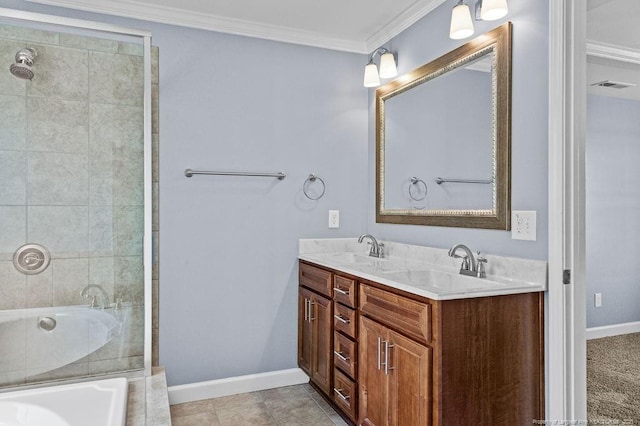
{"type": "Point", "coordinates": [24, 62]}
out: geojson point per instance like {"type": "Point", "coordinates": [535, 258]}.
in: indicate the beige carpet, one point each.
{"type": "Point", "coordinates": [613, 380]}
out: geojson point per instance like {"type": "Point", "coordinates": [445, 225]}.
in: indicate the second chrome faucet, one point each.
{"type": "Point", "coordinates": [470, 266]}
{"type": "Point", "coordinates": [377, 249]}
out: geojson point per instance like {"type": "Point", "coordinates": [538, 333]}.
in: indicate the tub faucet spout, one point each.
{"type": "Point", "coordinates": [101, 291]}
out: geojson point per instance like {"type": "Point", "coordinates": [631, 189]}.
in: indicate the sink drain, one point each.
{"type": "Point", "coordinates": [31, 259]}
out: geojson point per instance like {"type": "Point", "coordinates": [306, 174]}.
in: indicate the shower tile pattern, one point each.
{"type": "Point", "coordinates": [71, 167]}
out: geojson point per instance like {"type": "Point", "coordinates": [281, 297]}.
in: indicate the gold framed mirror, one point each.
{"type": "Point", "coordinates": [443, 139]}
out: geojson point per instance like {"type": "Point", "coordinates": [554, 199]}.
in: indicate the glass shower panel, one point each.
{"type": "Point", "coordinates": [71, 205]}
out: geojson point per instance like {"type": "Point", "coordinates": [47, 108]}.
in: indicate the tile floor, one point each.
{"type": "Point", "coordinates": [289, 406]}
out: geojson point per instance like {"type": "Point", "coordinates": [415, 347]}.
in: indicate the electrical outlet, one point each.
{"type": "Point", "coordinates": [597, 300]}
{"type": "Point", "coordinates": [523, 225]}
{"type": "Point", "coordinates": [334, 218]}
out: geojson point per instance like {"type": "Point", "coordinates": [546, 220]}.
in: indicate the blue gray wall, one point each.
{"type": "Point", "coordinates": [428, 39]}
{"type": "Point", "coordinates": [228, 246]}
{"type": "Point", "coordinates": [228, 272]}
{"type": "Point", "coordinates": [612, 210]}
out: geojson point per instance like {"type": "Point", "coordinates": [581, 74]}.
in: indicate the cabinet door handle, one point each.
{"type": "Point", "coordinates": [342, 357]}
{"type": "Point", "coordinates": [306, 309]}
{"type": "Point", "coordinates": [379, 355]}
{"type": "Point", "coordinates": [341, 395]}
{"type": "Point", "coordinates": [387, 346]}
{"type": "Point", "coordinates": [311, 310]}
{"type": "Point", "coordinates": [342, 320]}
{"type": "Point", "coordinates": [341, 291]}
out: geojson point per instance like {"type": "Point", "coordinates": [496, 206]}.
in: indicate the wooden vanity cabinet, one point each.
{"type": "Point", "coordinates": [388, 357]}
{"type": "Point", "coordinates": [315, 332]}
{"type": "Point", "coordinates": [394, 377]}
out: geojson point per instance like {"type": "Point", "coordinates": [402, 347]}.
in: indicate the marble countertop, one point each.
{"type": "Point", "coordinates": [425, 271]}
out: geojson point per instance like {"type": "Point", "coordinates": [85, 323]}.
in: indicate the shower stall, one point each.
{"type": "Point", "coordinates": [76, 201]}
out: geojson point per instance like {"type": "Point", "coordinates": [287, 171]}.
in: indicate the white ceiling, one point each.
{"type": "Point", "coordinates": [613, 32]}
{"type": "Point", "coordinates": [354, 25]}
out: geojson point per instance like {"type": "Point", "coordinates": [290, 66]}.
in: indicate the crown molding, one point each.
{"type": "Point", "coordinates": [210, 22]}
{"type": "Point", "coordinates": [401, 22]}
{"type": "Point", "coordinates": [610, 51]}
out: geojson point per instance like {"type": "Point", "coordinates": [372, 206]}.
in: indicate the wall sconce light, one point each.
{"type": "Point", "coordinates": [387, 67]}
{"type": "Point", "coordinates": [485, 10]}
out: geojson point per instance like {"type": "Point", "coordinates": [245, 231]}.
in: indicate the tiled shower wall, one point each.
{"type": "Point", "coordinates": [71, 168]}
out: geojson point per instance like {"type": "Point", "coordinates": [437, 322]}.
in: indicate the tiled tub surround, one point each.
{"type": "Point", "coordinates": [426, 271]}
{"type": "Point", "coordinates": [71, 163]}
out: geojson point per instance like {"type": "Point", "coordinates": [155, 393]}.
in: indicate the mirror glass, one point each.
{"type": "Point", "coordinates": [443, 139]}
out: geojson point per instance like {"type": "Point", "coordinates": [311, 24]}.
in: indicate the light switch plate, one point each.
{"type": "Point", "coordinates": [523, 225]}
{"type": "Point", "coordinates": [334, 218]}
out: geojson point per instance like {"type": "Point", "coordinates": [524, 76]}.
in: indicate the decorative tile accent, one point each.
{"type": "Point", "coordinates": [57, 125]}
{"type": "Point", "coordinates": [13, 166]}
{"type": "Point", "coordinates": [13, 110]}
{"type": "Point", "coordinates": [57, 179]}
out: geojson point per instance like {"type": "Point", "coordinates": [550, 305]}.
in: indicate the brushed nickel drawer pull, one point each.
{"type": "Point", "coordinates": [387, 346]}
{"type": "Point", "coordinates": [379, 357]}
{"type": "Point", "coordinates": [306, 309]}
{"type": "Point", "coordinates": [341, 291]}
{"type": "Point", "coordinates": [342, 320]}
{"type": "Point", "coordinates": [341, 395]}
{"type": "Point", "coordinates": [311, 310]}
{"type": "Point", "coordinates": [342, 357]}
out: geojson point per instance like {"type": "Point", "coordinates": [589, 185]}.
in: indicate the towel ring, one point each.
{"type": "Point", "coordinates": [416, 181]}
{"type": "Point", "coordinates": [310, 179]}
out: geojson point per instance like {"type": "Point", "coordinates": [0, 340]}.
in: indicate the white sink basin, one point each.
{"type": "Point", "coordinates": [441, 280]}
{"type": "Point", "coordinates": [347, 258]}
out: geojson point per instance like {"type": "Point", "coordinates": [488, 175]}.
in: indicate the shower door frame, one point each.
{"type": "Point", "coordinates": [148, 206]}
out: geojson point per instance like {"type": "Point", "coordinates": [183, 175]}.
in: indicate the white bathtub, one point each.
{"type": "Point", "coordinates": [97, 403]}
{"type": "Point", "coordinates": [78, 331]}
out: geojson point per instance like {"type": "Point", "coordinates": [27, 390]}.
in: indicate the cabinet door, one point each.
{"type": "Point", "coordinates": [321, 320]}
{"type": "Point", "coordinates": [305, 331]}
{"type": "Point", "coordinates": [372, 381]}
{"type": "Point", "coordinates": [409, 381]}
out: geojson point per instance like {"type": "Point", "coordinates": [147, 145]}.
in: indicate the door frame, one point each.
{"type": "Point", "coordinates": [566, 339]}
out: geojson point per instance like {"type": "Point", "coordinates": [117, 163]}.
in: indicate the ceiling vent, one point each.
{"type": "Point", "coordinates": [613, 84]}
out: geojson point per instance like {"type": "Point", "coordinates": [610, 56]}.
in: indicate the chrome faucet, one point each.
{"type": "Point", "coordinates": [377, 249]}
{"type": "Point", "coordinates": [94, 303]}
{"type": "Point", "coordinates": [468, 262]}
{"type": "Point", "coordinates": [470, 266]}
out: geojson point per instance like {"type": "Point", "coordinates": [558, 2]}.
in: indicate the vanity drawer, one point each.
{"type": "Point", "coordinates": [345, 393]}
{"type": "Point", "coordinates": [316, 279]}
{"type": "Point", "coordinates": [344, 319]}
{"type": "Point", "coordinates": [405, 315]}
{"type": "Point", "coordinates": [345, 354]}
{"type": "Point", "coordinates": [344, 290]}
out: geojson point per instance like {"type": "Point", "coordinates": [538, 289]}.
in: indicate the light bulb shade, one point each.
{"type": "Point", "coordinates": [371, 78]}
{"type": "Point", "coordinates": [461, 23]}
{"type": "Point", "coordinates": [388, 66]}
{"type": "Point", "coordinates": [493, 9]}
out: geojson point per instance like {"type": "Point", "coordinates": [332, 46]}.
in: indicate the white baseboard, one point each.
{"type": "Point", "coordinates": [235, 385]}
{"type": "Point", "coordinates": [613, 330]}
